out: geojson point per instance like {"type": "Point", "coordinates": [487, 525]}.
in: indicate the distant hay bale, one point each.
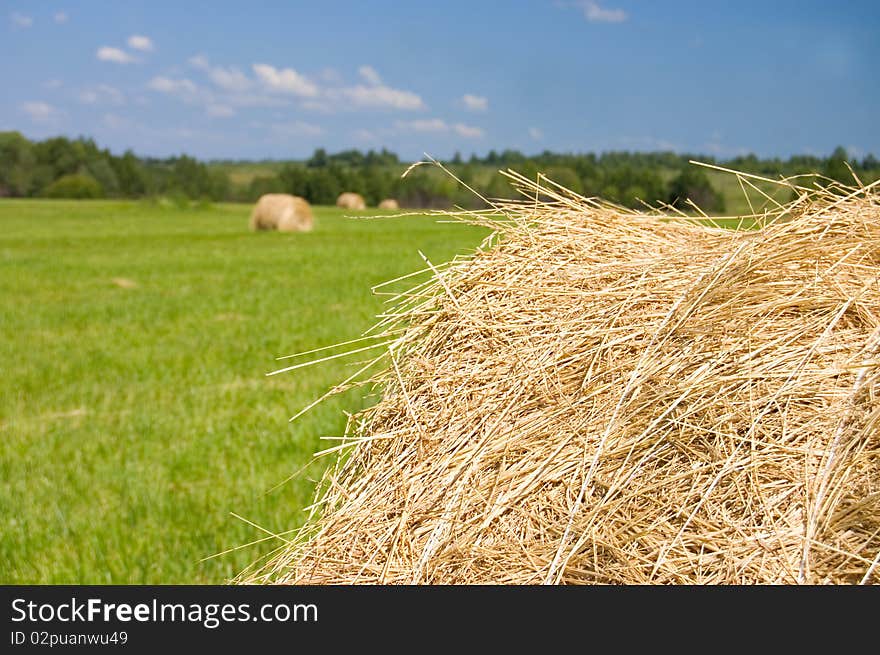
{"type": "Point", "coordinates": [349, 200]}
{"type": "Point", "coordinates": [599, 396]}
{"type": "Point", "coordinates": [389, 203]}
{"type": "Point", "coordinates": [124, 283]}
{"type": "Point", "coordinates": [282, 212]}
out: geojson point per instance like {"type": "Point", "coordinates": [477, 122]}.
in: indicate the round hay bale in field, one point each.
{"type": "Point", "coordinates": [349, 200]}
{"type": "Point", "coordinates": [282, 212]}
{"type": "Point", "coordinates": [599, 396]}
{"type": "Point", "coordinates": [389, 203]}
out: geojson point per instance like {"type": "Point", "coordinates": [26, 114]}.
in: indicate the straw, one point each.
{"type": "Point", "coordinates": [599, 395]}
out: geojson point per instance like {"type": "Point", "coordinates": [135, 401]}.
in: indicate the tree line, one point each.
{"type": "Point", "coordinates": [60, 167]}
{"type": "Point", "coordinates": [77, 168]}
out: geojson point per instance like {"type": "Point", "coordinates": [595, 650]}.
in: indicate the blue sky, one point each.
{"type": "Point", "coordinates": [277, 79]}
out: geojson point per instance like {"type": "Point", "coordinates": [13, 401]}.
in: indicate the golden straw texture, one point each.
{"type": "Point", "coordinates": [603, 396]}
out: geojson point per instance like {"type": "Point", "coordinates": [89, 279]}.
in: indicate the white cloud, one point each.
{"type": "Point", "coordinates": [53, 84]}
{"type": "Point", "coordinates": [199, 61]}
{"type": "Point", "coordinates": [102, 94]}
{"type": "Point", "coordinates": [285, 80]}
{"type": "Point", "coordinates": [255, 100]}
{"type": "Point", "coordinates": [365, 135]}
{"type": "Point", "coordinates": [116, 122]}
{"type": "Point", "coordinates": [20, 20]}
{"type": "Point", "coordinates": [536, 133]}
{"type": "Point", "coordinates": [423, 125]}
{"type": "Point", "coordinates": [370, 75]}
{"type": "Point", "coordinates": [596, 13]}
{"type": "Point", "coordinates": [182, 133]}
{"type": "Point", "coordinates": [117, 56]}
{"type": "Point", "coordinates": [382, 97]}
{"type": "Point", "coordinates": [140, 42]}
{"type": "Point", "coordinates": [646, 143]}
{"type": "Point", "coordinates": [474, 102]}
{"type": "Point", "coordinates": [60, 17]}
{"type": "Point", "coordinates": [233, 91]}
{"type": "Point", "coordinates": [178, 87]}
{"type": "Point", "coordinates": [437, 125]}
{"type": "Point", "coordinates": [238, 89]}
{"type": "Point", "coordinates": [40, 112]}
{"type": "Point", "coordinates": [228, 79]}
{"type": "Point", "coordinates": [322, 106]}
{"type": "Point", "coordinates": [219, 111]}
{"type": "Point", "coordinates": [297, 129]}
{"type": "Point", "coordinates": [330, 75]}
{"type": "Point", "coordinates": [468, 131]}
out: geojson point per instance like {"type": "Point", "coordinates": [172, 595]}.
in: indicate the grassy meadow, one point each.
{"type": "Point", "coordinates": [135, 415]}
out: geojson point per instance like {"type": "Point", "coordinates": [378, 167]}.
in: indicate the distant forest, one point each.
{"type": "Point", "coordinates": [60, 167]}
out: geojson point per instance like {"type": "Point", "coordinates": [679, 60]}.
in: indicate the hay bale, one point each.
{"type": "Point", "coordinates": [349, 200]}
{"type": "Point", "coordinates": [389, 203]}
{"type": "Point", "coordinates": [598, 396]}
{"type": "Point", "coordinates": [124, 283]}
{"type": "Point", "coordinates": [282, 212]}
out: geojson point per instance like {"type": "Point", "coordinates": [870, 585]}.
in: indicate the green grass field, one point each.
{"type": "Point", "coordinates": [134, 410]}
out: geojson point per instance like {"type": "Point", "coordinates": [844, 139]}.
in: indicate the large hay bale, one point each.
{"type": "Point", "coordinates": [599, 396]}
{"type": "Point", "coordinates": [389, 203]}
{"type": "Point", "coordinates": [349, 200]}
{"type": "Point", "coordinates": [282, 212]}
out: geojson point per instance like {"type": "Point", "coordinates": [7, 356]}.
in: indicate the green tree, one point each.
{"type": "Point", "coordinates": [17, 164]}
{"type": "Point", "coordinates": [610, 192]}
{"type": "Point", "coordinates": [835, 167]}
{"type": "Point", "coordinates": [565, 177]}
{"type": "Point", "coordinates": [633, 196]}
{"type": "Point", "coordinates": [377, 185]}
{"type": "Point", "coordinates": [130, 175]}
{"type": "Point", "coordinates": [218, 185]}
{"type": "Point", "coordinates": [318, 159]}
{"type": "Point", "coordinates": [263, 184]}
{"type": "Point", "coordinates": [323, 187]}
{"type": "Point", "coordinates": [694, 184]}
{"type": "Point", "coordinates": [194, 180]}
{"type": "Point", "coordinates": [295, 180]}
{"type": "Point", "coordinates": [350, 179]}
{"type": "Point", "coordinates": [76, 186]}
{"type": "Point", "coordinates": [102, 171]}
{"type": "Point", "coordinates": [500, 188]}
